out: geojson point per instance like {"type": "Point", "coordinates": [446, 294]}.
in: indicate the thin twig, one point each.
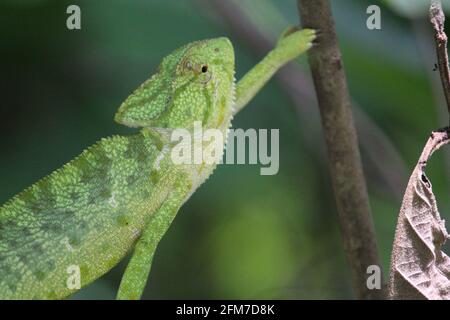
{"type": "Point", "coordinates": [437, 19]}
{"type": "Point", "coordinates": [424, 38]}
{"type": "Point", "coordinates": [437, 139]}
{"type": "Point", "coordinates": [342, 145]}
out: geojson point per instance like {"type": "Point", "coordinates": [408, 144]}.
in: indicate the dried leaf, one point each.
{"type": "Point", "coordinates": [419, 269]}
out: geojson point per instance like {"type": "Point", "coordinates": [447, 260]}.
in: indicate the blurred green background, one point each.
{"type": "Point", "coordinates": [241, 235]}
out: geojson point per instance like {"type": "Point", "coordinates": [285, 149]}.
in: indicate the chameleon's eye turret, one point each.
{"type": "Point", "coordinates": [188, 65]}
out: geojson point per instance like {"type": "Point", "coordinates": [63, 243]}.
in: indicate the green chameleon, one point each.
{"type": "Point", "coordinates": [122, 193]}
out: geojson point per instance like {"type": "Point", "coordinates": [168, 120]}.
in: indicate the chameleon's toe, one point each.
{"type": "Point", "coordinates": [293, 37]}
{"type": "Point", "coordinates": [308, 35]}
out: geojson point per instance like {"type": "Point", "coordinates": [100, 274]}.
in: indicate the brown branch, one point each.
{"type": "Point", "coordinates": [437, 19]}
{"type": "Point", "coordinates": [344, 159]}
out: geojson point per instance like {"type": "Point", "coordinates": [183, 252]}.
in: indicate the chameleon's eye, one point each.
{"type": "Point", "coordinates": [205, 76]}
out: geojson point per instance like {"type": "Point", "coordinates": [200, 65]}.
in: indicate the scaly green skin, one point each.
{"type": "Point", "coordinates": [124, 191]}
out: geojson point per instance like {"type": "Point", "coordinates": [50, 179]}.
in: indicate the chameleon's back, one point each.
{"type": "Point", "coordinates": [84, 216]}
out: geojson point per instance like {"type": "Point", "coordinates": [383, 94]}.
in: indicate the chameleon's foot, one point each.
{"type": "Point", "coordinates": [296, 35]}
{"type": "Point", "coordinates": [294, 42]}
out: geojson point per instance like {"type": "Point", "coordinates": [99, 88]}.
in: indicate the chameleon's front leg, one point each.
{"type": "Point", "coordinates": [135, 277]}
{"type": "Point", "coordinates": [289, 46]}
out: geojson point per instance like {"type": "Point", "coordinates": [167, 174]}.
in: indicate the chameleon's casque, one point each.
{"type": "Point", "coordinates": [123, 192]}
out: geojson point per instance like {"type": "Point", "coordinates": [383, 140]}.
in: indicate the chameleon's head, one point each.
{"type": "Point", "coordinates": [193, 83]}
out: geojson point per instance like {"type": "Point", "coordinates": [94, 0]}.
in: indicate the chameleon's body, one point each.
{"type": "Point", "coordinates": [124, 191]}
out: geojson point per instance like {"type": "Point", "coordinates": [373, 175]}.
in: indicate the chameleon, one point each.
{"type": "Point", "coordinates": [120, 195]}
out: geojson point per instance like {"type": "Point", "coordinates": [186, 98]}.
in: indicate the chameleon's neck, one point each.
{"type": "Point", "coordinates": [166, 134]}
{"type": "Point", "coordinates": [196, 172]}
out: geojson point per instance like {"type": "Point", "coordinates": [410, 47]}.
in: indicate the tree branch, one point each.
{"type": "Point", "coordinates": [437, 19]}
{"type": "Point", "coordinates": [342, 146]}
